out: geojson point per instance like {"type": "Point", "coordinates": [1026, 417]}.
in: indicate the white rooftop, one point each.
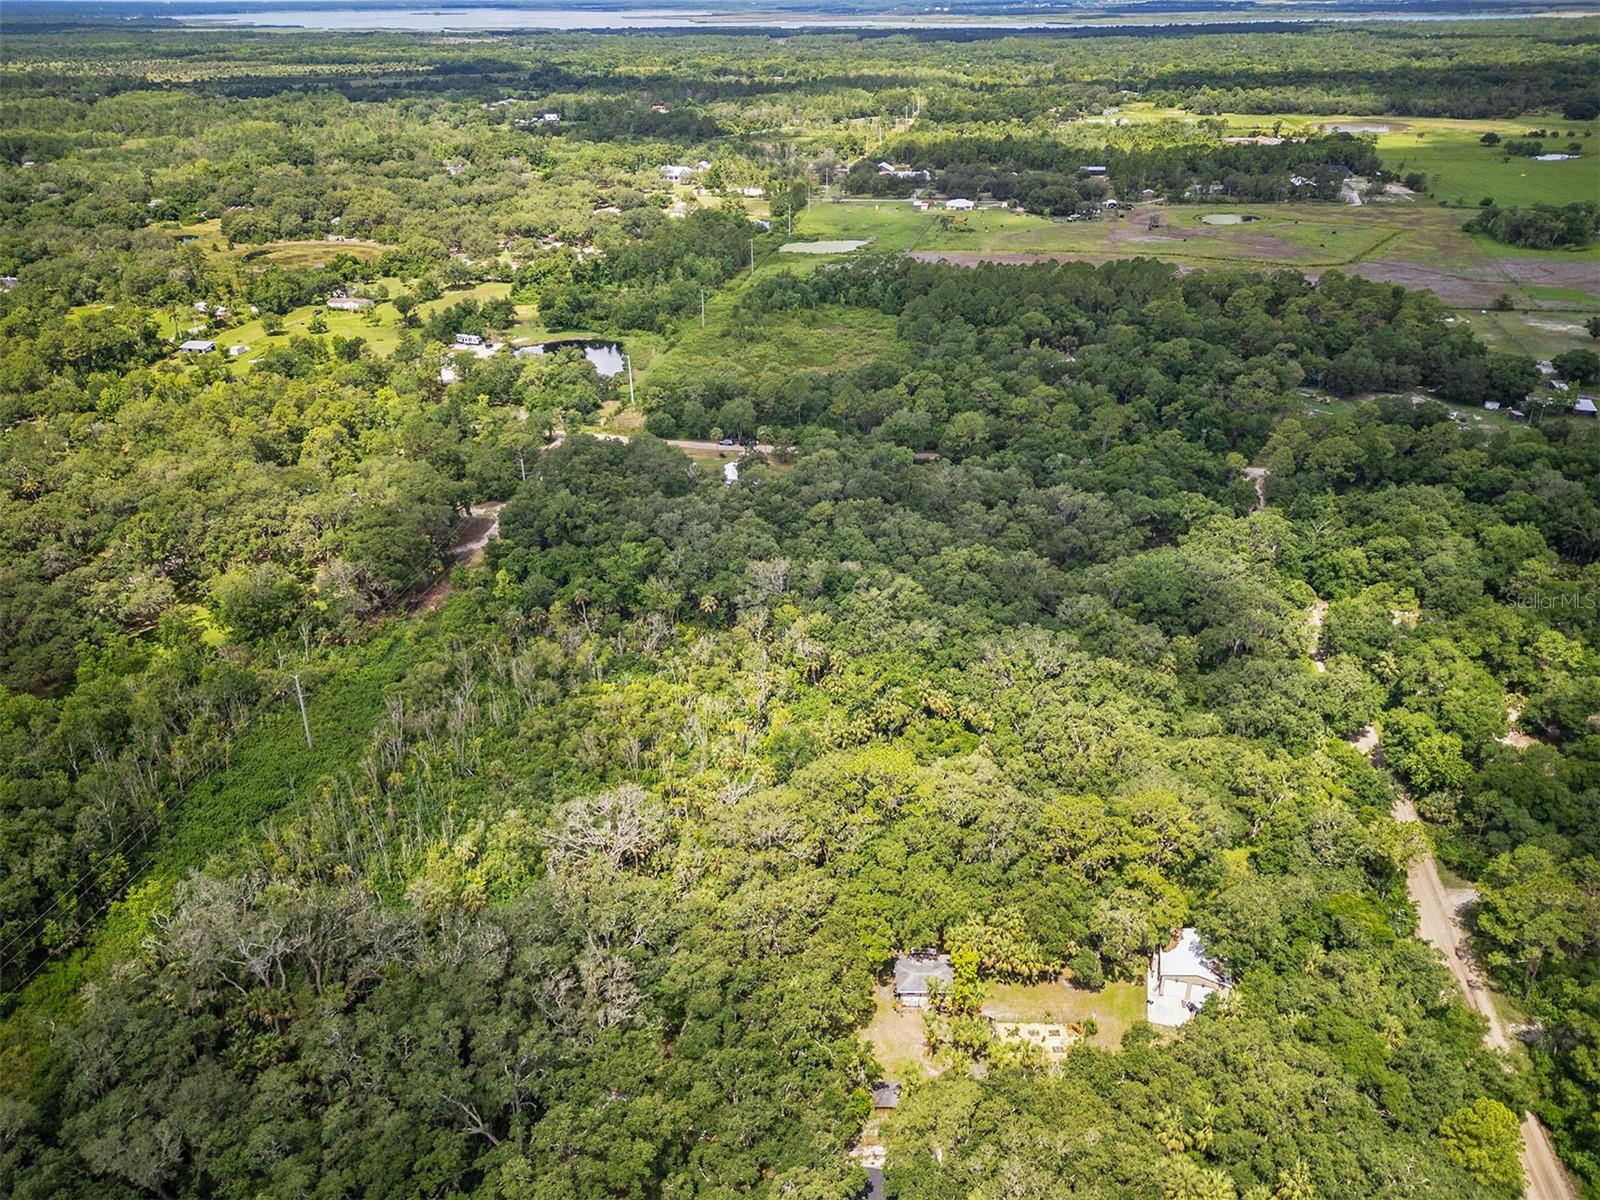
{"type": "Point", "coordinates": [1188, 959]}
{"type": "Point", "coordinates": [1179, 981]}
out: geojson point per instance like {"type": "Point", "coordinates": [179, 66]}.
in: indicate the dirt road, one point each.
{"type": "Point", "coordinates": [1258, 475]}
{"type": "Point", "coordinates": [1319, 613]}
{"type": "Point", "coordinates": [1439, 924]}
{"type": "Point", "coordinates": [482, 527]}
{"type": "Point", "coordinates": [699, 447]}
{"type": "Point", "coordinates": [475, 533]}
{"type": "Point", "coordinates": [1547, 1178]}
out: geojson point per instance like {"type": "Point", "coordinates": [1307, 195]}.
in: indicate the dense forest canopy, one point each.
{"type": "Point", "coordinates": [428, 769]}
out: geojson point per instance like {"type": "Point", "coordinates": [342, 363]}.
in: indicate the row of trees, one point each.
{"type": "Point", "coordinates": [1048, 174]}
{"type": "Point", "coordinates": [1540, 226]}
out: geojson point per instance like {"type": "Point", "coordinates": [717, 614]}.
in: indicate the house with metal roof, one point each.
{"type": "Point", "coordinates": [914, 972]}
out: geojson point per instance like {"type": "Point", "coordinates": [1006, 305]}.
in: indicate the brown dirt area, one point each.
{"type": "Point", "coordinates": [1478, 286]}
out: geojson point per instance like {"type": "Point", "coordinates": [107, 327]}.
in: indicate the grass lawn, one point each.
{"type": "Point", "coordinates": [1541, 334]}
{"type": "Point", "coordinates": [304, 252]}
{"type": "Point", "coordinates": [1116, 1007]}
{"type": "Point", "coordinates": [897, 1037]}
{"type": "Point", "coordinates": [310, 253]}
{"type": "Point", "coordinates": [1306, 236]}
{"type": "Point", "coordinates": [892, 225]}
{"type": "Point", "coordinates": [382, 336]}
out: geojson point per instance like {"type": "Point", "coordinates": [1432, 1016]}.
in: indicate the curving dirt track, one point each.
{"type": "Point", "coordinates": [1440, 927]}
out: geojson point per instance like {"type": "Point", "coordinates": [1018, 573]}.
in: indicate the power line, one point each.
{"type": "Point", "coordinates": [27, 932]}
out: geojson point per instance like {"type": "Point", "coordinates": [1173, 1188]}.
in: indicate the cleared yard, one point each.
{"type": "Point", "coordinates": [379, 325]}
{"type": "Point", "coordinates": [898, 1040]}
{"type": "Point", "coordinates": [897, 1037]}
{"type": "Point", "coordinates": [1116, 1007]}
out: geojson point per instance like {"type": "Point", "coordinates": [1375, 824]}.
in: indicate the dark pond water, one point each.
{"type": "Point", "coordinates": [606, 356]}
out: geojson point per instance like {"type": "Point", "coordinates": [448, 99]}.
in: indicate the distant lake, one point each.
{"type": "Point", "coordinates": [444, 19]}
{"type": "Point", "coordinates": [437, 19]}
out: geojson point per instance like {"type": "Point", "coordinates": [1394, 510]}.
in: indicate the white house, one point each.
{"type": "Point", "coordinates": [1095, 170]}
{"type": "Point", "coordinates": [1179, 980]}
{"type": "Point", "coordinates": [551, 118]}
{"type": "Point", "coordinates": [913, 972]}
{"type": "Point", "coordinates": [468, 339]}
{"type": "Point", "coordinates": [1585, 407]}
{"type": "Point", "coordinates": [676, 172]}
{"type": "Point", "coordinates": [959, 205]}
{"type": "Point", "coordinates": [349, 303]}
{"type": "Point", "coordinates": [198, 346]}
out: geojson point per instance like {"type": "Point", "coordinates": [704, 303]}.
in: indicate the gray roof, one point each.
{"type": "Point", "coordinates": [885, 1094]}
{"type": "Point", "coordinates": [198, 346]}
{"type": "Point", "coordinates": [912, 972]}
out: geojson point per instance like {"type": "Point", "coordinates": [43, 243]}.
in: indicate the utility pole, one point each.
{"type": "Point", "coordinates": [305, 722]}
{"type": "Point", "coordinates": [628, 358]}
{"type": "Point", "coordinates": [752, 256]}
{"type": "Point", "coordinates": [702, 308]}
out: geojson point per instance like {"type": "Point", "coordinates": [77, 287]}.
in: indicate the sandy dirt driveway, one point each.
{"type": "Point", "coordinates": [1439, 923]}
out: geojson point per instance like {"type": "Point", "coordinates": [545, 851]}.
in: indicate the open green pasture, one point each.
{"type": "Point", "coordinates": [1462, 171]}
{"type": "Point", "coordinates": [731, 347]}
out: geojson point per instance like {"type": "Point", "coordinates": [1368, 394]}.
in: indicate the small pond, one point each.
{"type": "Point", "coordinates": [1229, 218]}
{"type": "Point", "coordinates": [605, 356]}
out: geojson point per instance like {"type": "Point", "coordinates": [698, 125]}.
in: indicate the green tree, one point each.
{"type": "Point", "coordinates": [1485, 1138]}
{"type": "Point", "coordinates": [1532, 912]}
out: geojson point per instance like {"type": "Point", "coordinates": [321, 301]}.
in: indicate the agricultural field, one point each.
{"type": "Point", "coordinates": [1460, 169]}
{"type": "Point", "coordinates": [1413, 242]}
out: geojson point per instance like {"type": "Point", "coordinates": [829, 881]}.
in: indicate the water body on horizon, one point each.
{"type": "Point", "coordinates": [487, 18]}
